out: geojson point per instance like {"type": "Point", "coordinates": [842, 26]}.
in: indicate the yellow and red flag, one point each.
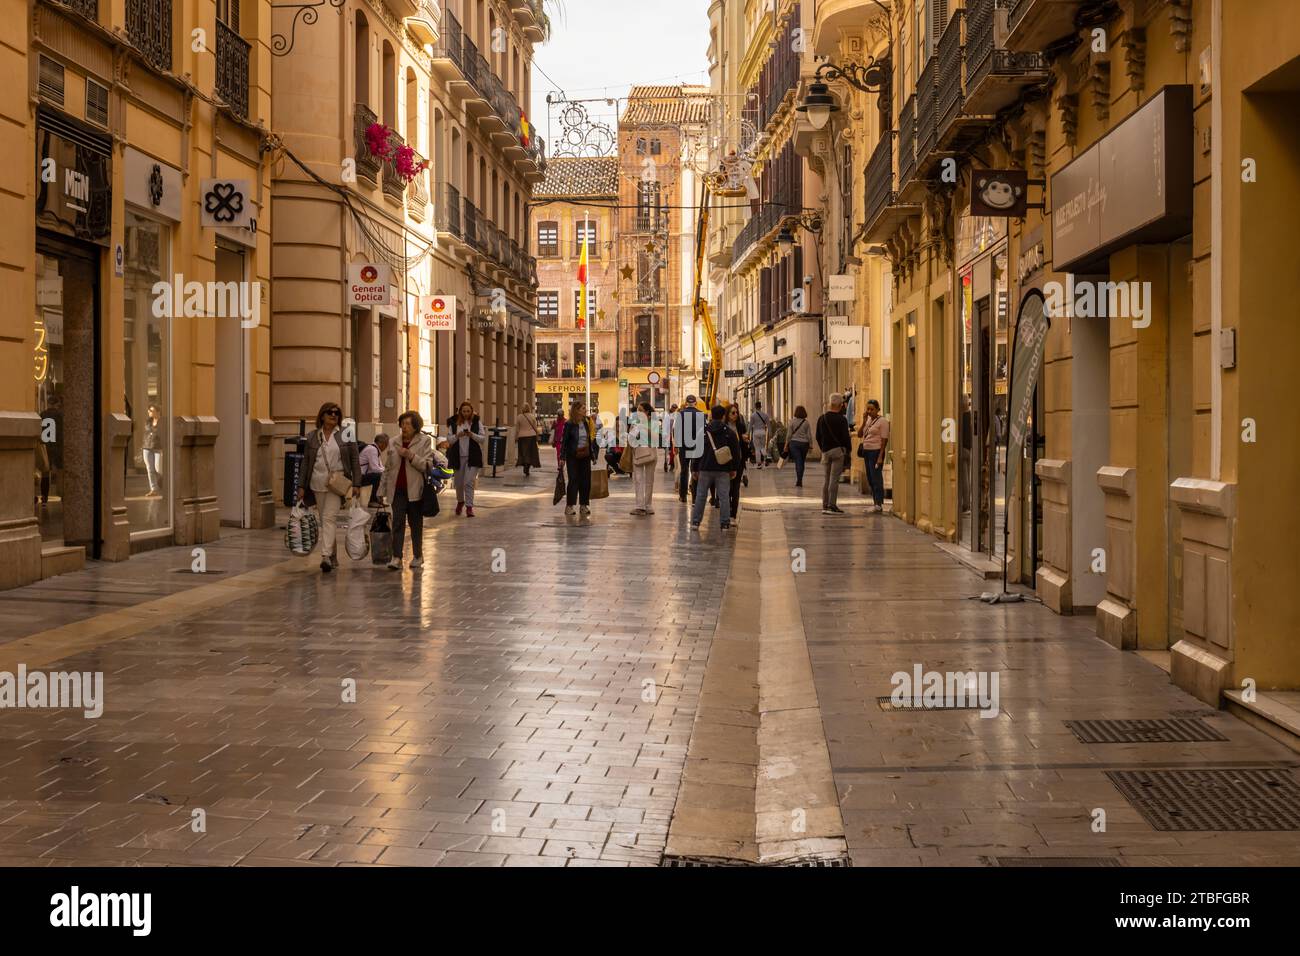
{"type": "Point", "coordinates": [582, 284]}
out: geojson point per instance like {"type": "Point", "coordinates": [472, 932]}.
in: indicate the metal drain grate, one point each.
{"type": "Point", "coordinates": [692, 861]}
{"type": "Point", "coordinates": [1055, 861]}
{"type": "Point", "coordinates": [887, 703]}
{"type": "Point", "coordinates": [1253, 799]}
{"type": "Point", "coordinates": [1181, 730]}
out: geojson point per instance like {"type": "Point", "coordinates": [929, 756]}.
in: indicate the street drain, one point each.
{"type": "Point", "coordinates": [695, 861]}
{"type": "Point", "coordinates": [1055, 861]}
{"type": "Point", "coordinates": [1254, 799]}
{"type": "Point", "coordinates": [887, 703]}
{"type": "Point", "coordinates": [1181, 730]}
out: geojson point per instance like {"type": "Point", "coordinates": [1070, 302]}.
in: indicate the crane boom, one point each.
{"type": "Point", "coordinates": [700, 308]}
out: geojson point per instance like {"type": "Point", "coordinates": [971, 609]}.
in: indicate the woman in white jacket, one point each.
{"type": "Point", "coordinates": [408, 459]}
{"type": "Point", "coordinates": [643, 441]}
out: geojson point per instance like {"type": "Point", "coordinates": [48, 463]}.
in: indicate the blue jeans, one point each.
{"type": "Point", "coordinates": [876, 476]}
{"type": "Point", "coordinates": [799, 452]}
{"type": "Point", "coordinates": [712, 479]}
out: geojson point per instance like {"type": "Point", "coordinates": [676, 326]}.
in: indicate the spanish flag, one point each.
{"type": "Point", "coordinates": [582, 284]}
{"type": "Point", "coordinates": [525, 131]}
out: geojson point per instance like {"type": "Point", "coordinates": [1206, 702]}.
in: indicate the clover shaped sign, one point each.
{"type": "Point", "coordinates": [225, 203]}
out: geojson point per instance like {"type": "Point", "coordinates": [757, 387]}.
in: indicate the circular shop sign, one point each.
{"type": "Point", "coordinates": [653, 378]}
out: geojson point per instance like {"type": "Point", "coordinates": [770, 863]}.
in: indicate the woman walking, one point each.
{"type": "Point", "coordinates": [527, 433]}
{"type": "Point", "coordinates": [643, 444]}
{"type": "Point", "coordinates": [333, 474]}
{"type": "Point", "coordinates": [798, 441]}
{"type": "Point", "coordinates": [558, 439]}
{"type": "Point", "coordinates": [465, 441]}
{"type": "Point", "coordinates": [405, 464]}
{"type": "Point", "coordinates": [152, 451]}
{"type": "Point", "coordinates": [577, 449]}
{"type": "Point", "coordinates": [736, 423]}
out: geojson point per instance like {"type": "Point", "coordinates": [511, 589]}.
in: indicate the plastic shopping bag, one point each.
{"type": "Point", "coordinates": [381, 538]}
{"type": "Point", "coordinates": [356, 542]}
{"type": "Point", "coordinates": [302, 531]}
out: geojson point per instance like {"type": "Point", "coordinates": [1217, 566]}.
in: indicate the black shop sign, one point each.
{"type": "Point", "coordinates": [74, 180]}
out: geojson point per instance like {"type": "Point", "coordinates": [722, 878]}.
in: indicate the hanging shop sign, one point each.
{"type": "Point", "coordinates": [750, 368]}
{"type": "Point", "coordinates": [840, 288]}
{"type": "Point", "coordinates": [369, 283]}
{"type": "Point", "coordinates": [847, 341]}
{"type": "Point", "coordinates": [152, 185]}
{"type": "Point", "coordinates": [999, 192]}
{"type": "Point", "coordinates": [1032, 257]}
{"type": "Point", "coordinates": [225, 203]}
{"type": "Point", "coordinates": [1026, 362]}
{"type": "Point", "coordinates": [436, 313]}
{"type": "Point", "coordinates": [733, 373]}
{"type": "Point", "coordinates": [74, 176]}
{"type": "Point", "coordinates": [1133, 185]}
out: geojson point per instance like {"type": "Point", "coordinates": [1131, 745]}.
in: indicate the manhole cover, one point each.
{"type": "Point", "coordinates": [887, 703]}
{"type": "Point", "coordinates": [1252, 799]}
{"type": "Point", "coordinates": [724, 861]}
{"type": "Point", "coordinates": [1179, 730]}
{"type": "Point", "coordinates": [1056, 861]}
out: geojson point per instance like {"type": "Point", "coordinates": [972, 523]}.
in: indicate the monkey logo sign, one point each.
{"type": "Point", "coordinates": [999, 192]}
{"type": "Point", "coordinates": [437, 313]}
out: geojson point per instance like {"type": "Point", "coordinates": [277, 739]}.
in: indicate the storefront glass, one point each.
{"type": "Point", "coordinates": [146, 355]}
{"type": "Point", "coordinates": [49, 396]}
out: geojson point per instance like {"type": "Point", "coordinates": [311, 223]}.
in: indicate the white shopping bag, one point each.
{"type": "Point", "coordinates": [357, 540]}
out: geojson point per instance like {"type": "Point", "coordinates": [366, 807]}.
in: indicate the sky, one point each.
{"type": "Point", "coordinates": [599, 48]}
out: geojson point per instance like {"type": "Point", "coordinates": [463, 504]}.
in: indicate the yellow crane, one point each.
{"type": "Point", "coordinates": [713, 184]}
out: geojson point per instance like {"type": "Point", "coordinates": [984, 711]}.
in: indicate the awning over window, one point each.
{"type": "Point", "coordinates": [768, 373]}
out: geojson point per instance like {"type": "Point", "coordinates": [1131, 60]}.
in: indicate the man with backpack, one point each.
{"type": "Point", "coordinates": [687, 438]}
{"type": "Point", "coordinates": [715, 468]}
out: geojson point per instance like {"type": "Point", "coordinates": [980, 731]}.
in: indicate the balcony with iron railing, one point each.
{"type": "Point", "coordinates": [232, 69]}
{"type": "Point", "coordinates": [87, 8]}
{"type": "Point", "coordinates": [446, 209]}
{"type": "Point", "coordinates": [995, 75]}
{"type": "Point", "coordinates": [906, 141]}
{"type": "Point", "coordinates": [948, 61]}
{"type": "Point", "coordinates": [149, 28]}
{"type": "Point", "coordinates": [363, 117]}
{"type": "Point", "coordinates": [927, 113]}
{"type": "Point", "coordinates": [394, 185]}
{"type": "Point", "coordinates": [417, 193]}
{"type": "Point", "coordinates": [885, 208]}
{"type": "Point", "coordinates": [1033, 25]}
{"type": "Point", "coordinates": [647, 358]}
{"type": "Point", "coordinates": [759, 226]}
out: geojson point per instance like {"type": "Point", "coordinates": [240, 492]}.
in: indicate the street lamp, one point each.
{"type": "Point", "coordinates": [819, 104]}
{"type": "Point", "coordinates": [810, 221]}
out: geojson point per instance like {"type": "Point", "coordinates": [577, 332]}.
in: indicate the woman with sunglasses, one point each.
{"type": "Point", "coordinates": [331, 474]}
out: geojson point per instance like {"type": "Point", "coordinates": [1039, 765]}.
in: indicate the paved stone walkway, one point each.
{"type": "Point", "coordinates": [584, 703]}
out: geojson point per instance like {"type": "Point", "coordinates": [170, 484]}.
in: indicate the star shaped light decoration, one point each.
{"type": "Point", "coordinates": [627, 272]}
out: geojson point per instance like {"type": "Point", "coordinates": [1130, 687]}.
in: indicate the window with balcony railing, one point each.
{"type": "Point", "coordinates": [87, 8]}
{"type": "Point", "coordinates": [548, 239]}
{"type": "Point", "coordinates": [548, 309]}
{"type": "Point", "coordinates": [363, 117]}
{"type": "Point", "coordinates": [446, 209]}
{"type": "Point", "coordinates": [149, 28]}
{"type": "Point", "coordinates": [880, 178]}
{"type": "Point", "coordinates": [232, 67]}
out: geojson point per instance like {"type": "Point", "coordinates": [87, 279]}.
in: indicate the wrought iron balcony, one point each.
{"type": "Point", "coordinates": [907, 141]}
{"type": "Point", "coordinates": [1033, 25]}
{"type": "Point", "coordinates": [948, 74]}
{"type": "Point", "coordinates": [446, 209]}
{"type": "Point", "coordinates": [87, 8]}
{"type": "Point", "coordinates": [449, 47]}
{"type": "Point", "coordinates": [472, 221]}
{"type": "Point", "coordinates": [232, 69]}
{"type": "Point", "coordinates": [394, 185]}
{"type": "Point", "coordinates": [769, 216]}
{"type": "Point", "coordinates": [363, 117]}
{"type": "Point", "coordinates": [879, 179]}
{"type": "Point", "coordinates": [646, 357]}
{"type": "Point", "coordinates": [417, 193]}
{"type": "Point", "coordinates": [927, 114]}
{"type": "Point", "coordinates": [149, 28]}
{"type": "Point", "coordinates": [995, 75]}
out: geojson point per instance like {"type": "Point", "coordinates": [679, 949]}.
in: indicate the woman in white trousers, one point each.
{"type": "Point", "coordinates": [466, 440]}
{"type": "Point", "coordinates": [644, 457]}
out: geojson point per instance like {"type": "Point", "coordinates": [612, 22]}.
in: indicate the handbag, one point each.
{"type": "Point", "coordinates": [599, 483]}
{"type": "Point", "coordinates": [627, 459]}
{"type": "Point", "coordinates": [339, 484]}
{"type": "Point", "coordinates": [643, 455]}
{"type": "Point", "coordinates": [559, 488]}
{"type": "Point", "coordinates": [429, 496]}
{"type": "Point", "coordinates": [721, 455]}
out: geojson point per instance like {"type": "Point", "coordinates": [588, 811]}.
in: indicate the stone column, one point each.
{"type": "Point", "coordinates": [1117, 612]}
{"type": "Point", "coordinates": [1201, 662]}
{"type": "Point", "coordinates": [263, 491]}
{"type": "Point", "coordinates": [20, 532]}
{"type": "Point", "coordinates": [116, 528]}
{"type": "Point", "coordinates": [1053, 577]}
{"type": "Point", "coordinates": [196, 518]}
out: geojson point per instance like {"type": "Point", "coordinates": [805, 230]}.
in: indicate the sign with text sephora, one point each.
{"type": "Point", "coordinates": [1132, 185]}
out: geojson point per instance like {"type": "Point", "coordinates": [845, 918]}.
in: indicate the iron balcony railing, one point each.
{"type": "Point", "coordinates": [363, 117]}
{"type": "Point", "coordinates": [471, 221]}
{"type": "Point", "coordinates": [87, 8]}
{"type": "Point", "coordinates": [948, 66]}
{"type": "Point", "coordinates": [149, 28]}
{"type": "Point", "coordinates": [880, 178]}
{"type": "Point", "coordinates": [417, 193]}
{"type": "Point", "coordinates": [906, 141]}
{"type": "Point", "coordinates": [927, 115]}
{"type": "Point", "coordinates": [394, 186]}
{"type": "Point", "coordinates": [758, 226]}
{"type": "Point", "coordinates": [232, 69]}
{"type": "Point", "coordinates": [644, 357]}
{"type": "Point", "coordinates": [449, 45]}
{"type": "Point", "coordinates": [984, 57]}
{"type": "Point", "coordinates": [446, 209]}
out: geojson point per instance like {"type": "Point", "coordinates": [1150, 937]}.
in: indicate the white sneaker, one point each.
{"type": "Point", "coordinates": [585, 511]}
{"type": "Point", "coordinates": [416, 563]}
{"type": "Point", "coordinates": [827, 511]}
{"type": "Point", "coordinates": [880, 509]}
{"type": "Point", "coordinates": [394, 565]}
{"type": "Point", "coordinates": [569, 510]}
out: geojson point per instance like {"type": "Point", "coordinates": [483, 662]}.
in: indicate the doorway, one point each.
{"type": "Point", "coordinates": [67, 373]}
{"type": "Point", "coordinates": [230, 454]}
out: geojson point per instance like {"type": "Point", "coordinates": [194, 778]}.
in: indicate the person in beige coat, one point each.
{"type": "Point", "coordinates": [408, 459]}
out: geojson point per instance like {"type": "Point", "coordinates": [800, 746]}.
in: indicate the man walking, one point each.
{"type": "Point", "coordinates": [758, 423]}
{"type": "Point", "coordinates": [716, 468]}
{"type": "Point", "coordinates": [833, 439]}
{"type": "Point", "coordinates": [875, 439]}
{"type": "Point", "coordinates": [688, 442]}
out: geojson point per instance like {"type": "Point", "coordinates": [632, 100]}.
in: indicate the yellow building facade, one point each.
{"type": "Point", "coordinates": [1140, 129]}
{"type": "Point", "coordinates": [141, 325]}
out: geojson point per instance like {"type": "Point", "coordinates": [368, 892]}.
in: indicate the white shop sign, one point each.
{"type": "Point", "coordinates": [840, 288]}
{"type": "Point", "coordinates": [436, 313]}
{"type": "Point", "coordinates": [368, 284]}
{"type": "Point", "coordinates": [847, 341]}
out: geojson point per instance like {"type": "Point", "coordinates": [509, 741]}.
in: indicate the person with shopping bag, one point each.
{"type": "Point", "coordinates": [577, 450]}
{"type": "Point", "coordinates": [332, 475]}
{"type": "Point", "coordinates": [409, 457]}
{"type": "Point", "coordinates": [642, 442]}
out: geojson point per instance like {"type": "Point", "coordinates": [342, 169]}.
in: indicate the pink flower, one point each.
{"type": "Point", "coordinates": [378, 140]}
{"type": "Point", "coordinates": [408, 167]}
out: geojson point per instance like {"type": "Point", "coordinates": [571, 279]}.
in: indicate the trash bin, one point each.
{"type": "Point", "coordinates": [293, 459]}
{"type": "Point", "coordinates": [497, 447]}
